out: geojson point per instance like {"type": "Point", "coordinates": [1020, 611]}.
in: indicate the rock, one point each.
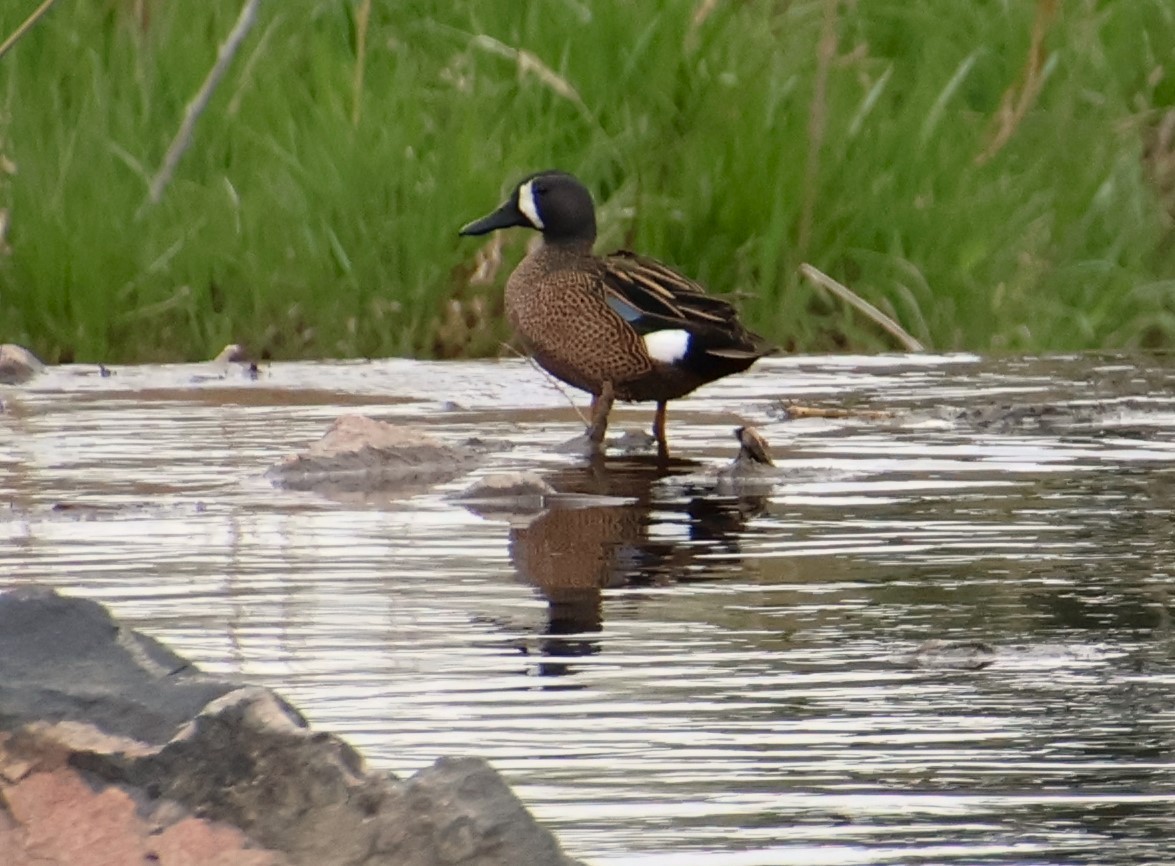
{"type": "Point", "coordinates": [233, 353]}
{"type": "Point", "coordinates": [508, 485]}
{"type": "Point", "coordinates": [634, 442]}
{"type": "Point", "coordinates": [1047, 417]}
{"type": "Point", "coordinates": [115, 750]}
{"type": "Point", "coordinates": [360, 454]}
{"type": "Point", "coordinates": [66, 660]}
{"type": "Point", "coordinates": [753, 447]}
{"type": "Point", "coordinates": [57, 819]}
{"type": "Point", "coordinates": [18, 364]}
{"type": "Point", "coordinates": [233, 359]}
{"type": "Point", "coordinates": [501, 495]}
{"type": "Point", "coordinates": [954, 654]}
{"type": "Point", "coordinates": [751, 473]}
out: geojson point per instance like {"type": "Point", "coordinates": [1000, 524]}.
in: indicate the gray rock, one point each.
{"type": "Point", "coordinates": [18, 364]}
{"type": "Point", "coordinates": [753, 447]}
{"type": "Point", "coordinates": [360, 454]}
{"type": "Point", "coordinates": [508, 485]}
{"type": "Point", "coordinates": [752, 471]}
{"type": "Point", "coordinates": [954, 654]}
{"type": "Point", "coordinates": [65, 659]}
{"type": "Point", "coordinates": [502, 495]}
{"type": "Point", "coordinates": [129, 713]}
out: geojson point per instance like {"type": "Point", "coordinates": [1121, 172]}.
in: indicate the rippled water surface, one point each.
{"type": "Point", "coordinates": [677, 670]}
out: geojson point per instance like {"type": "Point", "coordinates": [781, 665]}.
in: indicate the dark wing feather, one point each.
{"type": "Point", "coordinates": [653, 297]}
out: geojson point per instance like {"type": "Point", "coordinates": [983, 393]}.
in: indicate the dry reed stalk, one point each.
{"type": "Point", "coordinates": [183, 136]}
{"type": "Point", "coordinates": [1019, 97]}
{"type": "Point", "coordinates": [702, 11]}
{"type": "Point", "coordinates": [857, 302]}
{"type": "Point", "coordinates": [25, 26]}
{"type": "Point", "coordinates": [361, 20]}
{"type": "Point", "coordinates": [817, 123]}
{"type": "Point", "coordinates": [530, 64]}
{"type": "Point", "coordinates": [796, 410]}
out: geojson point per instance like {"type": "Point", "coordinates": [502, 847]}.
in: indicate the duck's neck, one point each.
{"type": "Point", "coordinates": [578, 245]}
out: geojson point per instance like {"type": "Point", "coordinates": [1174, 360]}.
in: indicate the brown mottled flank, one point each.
{"type": "Point", "coordinates": [555, 303]}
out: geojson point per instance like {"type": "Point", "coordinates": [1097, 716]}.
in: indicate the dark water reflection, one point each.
{"type": "Point", "coordinates": [571, 554]}
{"type": "Point", "coordinates": [671, 669]}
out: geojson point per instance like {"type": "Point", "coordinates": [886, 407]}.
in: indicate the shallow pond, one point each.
{"type": "Point", "coordinates": [681, 672]}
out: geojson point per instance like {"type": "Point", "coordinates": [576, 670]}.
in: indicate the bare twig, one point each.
{"type": "Point", "coordinates": [25, 27]}
{"type": "Point", "coordinates": [362, 17]}
{"type": "Point", "coordinates": [183, 136]}
{"type": "Point", "coordinates": [797, 410]}
{"type": "Point", "coordinates": [1019, 97]}
{"type": "Point", "coordinates": [530, 64]}
{"type": "Point", "coordinates": [551, 380]}
{"type": "Point", "coordinates": [817, 121]}
{"type": "Point", "coordinates": [856, 301]}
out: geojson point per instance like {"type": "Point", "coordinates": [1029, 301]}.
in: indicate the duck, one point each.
{"type": "Point", "coordinates": [619, 326]}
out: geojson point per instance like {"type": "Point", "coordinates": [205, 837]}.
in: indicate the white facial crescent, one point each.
{"type": "Point", "coordinates": [527, 205]}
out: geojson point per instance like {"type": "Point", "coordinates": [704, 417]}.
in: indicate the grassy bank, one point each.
{"type": "Point", "coordinates": [996, 175]}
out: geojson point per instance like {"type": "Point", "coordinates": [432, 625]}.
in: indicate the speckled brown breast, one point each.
{"type": "Point", "coordinates": [555, 303]}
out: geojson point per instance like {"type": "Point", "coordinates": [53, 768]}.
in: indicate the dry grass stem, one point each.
{"type": "Point", "coordinates": [183, 137]}
{"type": "Point", "coordinates": [529, 64]}
{"type": "Point", "coordinates": [362, 17]}
{"type": "Point", "coordinates": [1019, 98]}
{"type": "Point", "coordinates": [817, 122]}
{"type": "Point", "coordinates": [702, 11]}
{"type": "Point", "coordinates": [856, 301]}
{"type": "Point", "coordinates": [488, 261]}
{"type": "Point", "coordinates": [795, 410]}
{"type": "Point", "coordinates": [25, 26]}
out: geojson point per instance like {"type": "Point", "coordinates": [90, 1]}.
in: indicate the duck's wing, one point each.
{"type": "Point", "coordinates": [653, 297]}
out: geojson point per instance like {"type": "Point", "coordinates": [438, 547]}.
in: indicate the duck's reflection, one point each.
{"type": "Point", "coordinates": [656, 527]}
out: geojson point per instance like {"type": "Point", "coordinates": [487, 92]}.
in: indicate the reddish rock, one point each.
{"type": "Point", "coordinates": [62, 820]}
{"type": "Point", "coordinates": [116, 752]}
{"type": "Point", "coordinates": [192, 842]}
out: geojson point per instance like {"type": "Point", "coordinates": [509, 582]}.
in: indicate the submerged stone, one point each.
{"type": "Point", "coordinates": [954, 654]}
{"type": "Point", "coordinates": [506, 495]}
{"type": "Point", "coordinates": [361, 454]}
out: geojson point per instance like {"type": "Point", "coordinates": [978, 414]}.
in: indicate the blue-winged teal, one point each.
{"type": "Point", "coordinates": [619, 326]}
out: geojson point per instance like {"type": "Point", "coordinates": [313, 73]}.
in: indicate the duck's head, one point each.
{"type": "Point", "coordinates": [552, 202]}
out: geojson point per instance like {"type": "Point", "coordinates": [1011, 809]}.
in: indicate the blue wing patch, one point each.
{"type": "Point", "coordinates": [624, 309]}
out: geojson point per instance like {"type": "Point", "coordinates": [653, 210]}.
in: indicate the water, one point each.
{"type": "Point", "coordinates": [675, 675]}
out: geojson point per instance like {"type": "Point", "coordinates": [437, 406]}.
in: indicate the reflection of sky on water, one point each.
{"type": "Point", "coordinates": [670, 673]}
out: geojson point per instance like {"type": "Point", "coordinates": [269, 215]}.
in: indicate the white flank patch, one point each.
{"type": "Point", "coordinates": [527, 205]}
{"type": "Point", "coordinates": [669, 347]}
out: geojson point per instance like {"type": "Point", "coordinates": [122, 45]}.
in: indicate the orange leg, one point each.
{"type": "Point", "coordinates": [659, 430]}
{"type": "Point", "coordinates": [601, 408]}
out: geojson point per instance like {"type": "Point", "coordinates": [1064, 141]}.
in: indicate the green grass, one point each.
{"type": "Point", "coordinates": [291, 229]}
